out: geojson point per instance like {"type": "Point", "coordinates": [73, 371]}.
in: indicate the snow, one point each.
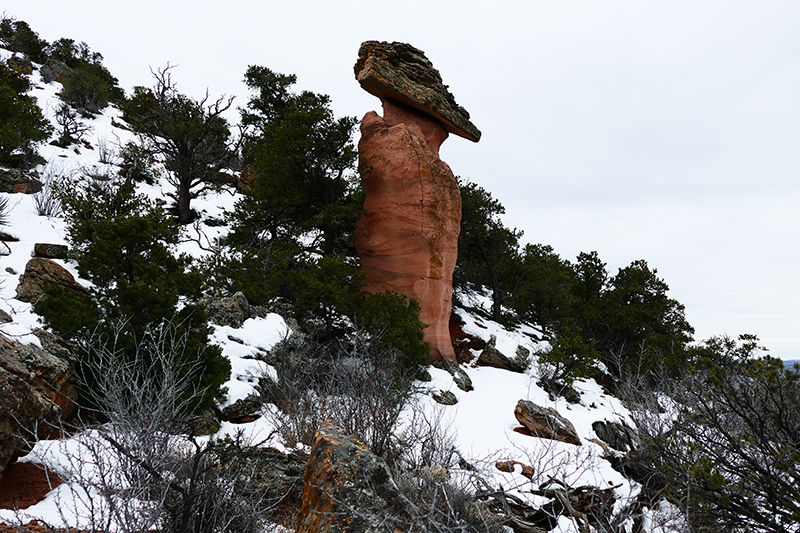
{"type": "Point", "coordinates": [482, 421]}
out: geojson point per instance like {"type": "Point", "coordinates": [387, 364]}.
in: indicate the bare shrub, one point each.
{"type": "Point", "coordinates": [70, 128]}
{"type": "Point", "coordinates": [46, 202]}
{"type": "Point", "coordinates": [142, 469]}
{"type": "Point", "coordinates": [359, 387]}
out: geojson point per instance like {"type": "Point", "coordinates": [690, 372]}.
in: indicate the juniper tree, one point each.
{"type": "Point", "coordinates": [192, 136]}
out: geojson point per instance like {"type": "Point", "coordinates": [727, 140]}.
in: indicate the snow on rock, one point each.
{"type": "Point", "coordinates": [482, 421]}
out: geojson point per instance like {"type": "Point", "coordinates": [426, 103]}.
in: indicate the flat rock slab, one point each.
{"type": "Point", "coordinates": [400, 72]}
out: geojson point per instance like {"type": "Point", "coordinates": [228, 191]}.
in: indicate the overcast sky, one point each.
{"type": "Point", "coordinates": [667, 131]}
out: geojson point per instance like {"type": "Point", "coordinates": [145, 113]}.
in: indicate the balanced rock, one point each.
{"type": "Point", "coordinates": [400, 72]}
{"type": "Point", "coordinates": [545, 422]}
{"type": "Point", "coordinates": [347, 488]}
{"type": "Point", "coordinates": [408, 237]}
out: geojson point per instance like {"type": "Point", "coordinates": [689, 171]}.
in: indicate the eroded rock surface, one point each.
{"type": "Point", "coordinates": [37, 386]}
{"type": "Point", "coordinates": [545, 422]}
{"type": "Point", "coordinates": [402, 73]}
{"type": "Point", "coordinates": [408, 237]}
{"type": "Point", "coordinates": [347, 488]}
{"type": "Point", "coordinates": [41, 271]}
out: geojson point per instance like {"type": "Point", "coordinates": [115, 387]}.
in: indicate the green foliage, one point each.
{"type": "Point", "coordinates": [292, 233]}
{"type": "Point", "coordinates": [393, 320]}
{"type": "Point", "coordinates": [17, 36]}
{"type": "Point", "coordinates": [22, 124]}
{"type": "Point", "coordinates": [88, 85]}
{"type": "Point", "coordinates": [301, 163]}
{"type": "Point", "coordinates": [542, 292]}
{"type": "Point", "coordinates": [192, 137]}
{"type": "Point", "coordinates": [90, 88]}
{"type": "Point", "coordinates": [569, 358]}
{"type": "Point", "coordinates": [323, 294]}
{"type": "Point", "coordinates": [124, 245]}
{"type": "Point", "coordinates": [627, 319]}
{"type": "Point", "coordinates": [487, 250]}
{"type": "Point", "coordinates": [731, 458]}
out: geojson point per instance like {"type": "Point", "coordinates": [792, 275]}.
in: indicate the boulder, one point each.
{"type": "Point", "coordinates": [14, 180]}
{"type": "Point", "coordinates": [491, 356]}
{"type": "Point", "coordinates": [460, 377]}
{"type": "Point", "coordinates": [617, 435]}
{"type": "Point", "coordinates": [347, 488]}
{"type": "Point", "coordinates": [228, 310]}
{"type": "Point", "coordinates": [242, 410]}
{"type": "Point", "coordinates": [402, 73]}
{"type": "Point", "coordinates": [50, 251]}
{"type": "Point", "coordinates": [54, 70]}
{"type": "Point", "coordinates": [37, 387]}
{"type": "Point", "coordinates": [445, 397]}
{"type": "Point", "coordinates": [545, 422]}
{"type": "Point", "coordinates": [41, 271]}
{"type": "Point", "coordinates": [407, 238]}
{"type": "Point", "coordinates": [21, 64]}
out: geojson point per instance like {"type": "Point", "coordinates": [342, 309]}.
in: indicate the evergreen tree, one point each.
{"type": "Point", "coordinates": [301, 164]}
{"type": "Point", "coordinates": [22, 124]}
{"type": "Point", "coordinates": [192, 136]}
{"type": "Point", "coordinates": [488, 251]}
{"type": "Point", "coordinates": [17, 36]}
{"type": "Point", "coordinates": [87, 85]}
{"type": "Point", "coordinates": [124, 245]}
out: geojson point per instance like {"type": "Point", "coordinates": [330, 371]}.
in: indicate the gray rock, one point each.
{"type": "Point", "coordinates": [37, 387]}
{"type": "Point", "coordinates": [460, 377]}
{"type": "Point", "coordinates": [13, 180]}
{"type": "Point", "coordinates": [400, 72]}
{"type": "Point", "coordinates": [545, 422]}
{"type": "Point", "coordinates": [347, 488]}
{"type": "Point", "coordinates": [228, 310]}
{"type": "Point", "coordinates": [54, 70]}
{"type": "Point", "coordinates": [242, 408]}
{"type": "Point", "coordinates": [617, 435]}
{"type": "Point", "coordinates": [491, 356]}
{"type": "Point", "coordinates": [445, 397]}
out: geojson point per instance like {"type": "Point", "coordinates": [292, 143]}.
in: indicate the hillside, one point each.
{"type": "Point", "coordinates": [474, 434]}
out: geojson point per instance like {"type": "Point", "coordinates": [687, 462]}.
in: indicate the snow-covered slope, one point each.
{"type": "Point", "coordinates": [482, 421]}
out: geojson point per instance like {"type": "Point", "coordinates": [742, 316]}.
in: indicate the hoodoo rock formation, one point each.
{"type": "Point", "coordinates": [408, 237]}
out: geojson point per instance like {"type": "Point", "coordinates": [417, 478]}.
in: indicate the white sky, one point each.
{"type": "Point", "coordinates": [668, 131]}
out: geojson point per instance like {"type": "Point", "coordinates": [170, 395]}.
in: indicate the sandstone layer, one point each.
{"type": "Point", "coordinates": [407, 238]}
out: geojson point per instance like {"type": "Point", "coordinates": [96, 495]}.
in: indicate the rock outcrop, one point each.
{"type": "Point", "coordinates": [41, 271]}
{"type": "Point", "coordinates": [227, 310]}
{"type": "Point", "coordinates": [50, 251]}
{"type": "Point", "coordinates": [347, 488]}
{"type": "Point", "coordinates": [545, 422]}
{"type": "Point", "coordinates": [37, 386]}
{"type": "Point", "coordinates": [402, 73]}
{"type": "Point", "coordinates": [13, 180]}
{"type": "Point", "coordinates": [408, 237]}
{"type": "Point", "coordinates": [491, 356]}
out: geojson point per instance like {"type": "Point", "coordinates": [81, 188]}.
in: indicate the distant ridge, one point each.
{"type": "Point", "coordinates": [791, 362]}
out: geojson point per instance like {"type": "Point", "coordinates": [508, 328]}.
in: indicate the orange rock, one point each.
{"type": "Point", "coordinates": [408, 237]}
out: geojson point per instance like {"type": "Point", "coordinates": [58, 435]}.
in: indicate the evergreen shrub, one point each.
{"type": "Point", "coordinates": [123, 244]}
